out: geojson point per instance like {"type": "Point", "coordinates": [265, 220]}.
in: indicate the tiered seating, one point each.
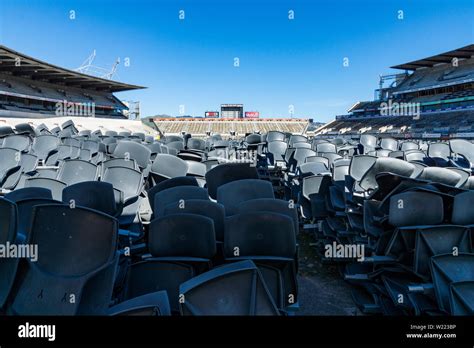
{"type": "Point", "coordinates": [182, 226]}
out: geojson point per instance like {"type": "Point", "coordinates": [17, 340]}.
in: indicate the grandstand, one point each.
{"type": "Point", "coordinates": [441, 88]}
{"type": "Point", "coordinates": [31, 88]}
{"type": "Point", "coordinates": [200, 127]}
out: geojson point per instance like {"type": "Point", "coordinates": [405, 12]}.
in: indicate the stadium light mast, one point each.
{"type": "Point", "coordinates": [88, 68]}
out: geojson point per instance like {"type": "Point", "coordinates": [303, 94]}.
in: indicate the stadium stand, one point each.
{"type": "Point", "coordinates": [202, 127]}
{"type": "Point", "coordinates": [31, 88]}
{"type": "Point", "coordinates": [440, 91]}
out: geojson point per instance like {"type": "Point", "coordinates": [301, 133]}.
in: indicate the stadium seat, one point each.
{"type": "Point", "coordinates": [269, 240]}
{"type": "Point", "coordinates": [74, 171]}
{"type": "Point", "coordinates": [57, 283]}
{"type": "Point", "coordinates": [226, 173]}
{"type": "Point", "coordinates": [8, 234]}
{"type": "Point", "coordinates": [233, 193]}
{"type": "Point", "coordinates": [167, 166]}
{"type": "Point", "coordinates": [55, 186]}
{"type": "Point", "coordinates": [234, 289]}
{"type": "Point", "coordinates": [181, 246]}
{"type": "Point", "coordinates": [177, 195]}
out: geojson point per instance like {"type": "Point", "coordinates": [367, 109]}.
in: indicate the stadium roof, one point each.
{"type": "Point", "coordinates": [446, 57]}
{"type": "Point", "coordinates": [38, 70]}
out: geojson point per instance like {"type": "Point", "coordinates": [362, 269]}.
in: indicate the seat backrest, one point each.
{"type": "Point", "coordinates": [360, 165]}
{"type": "Point", "coordinates": [414, 208]}
{"type": "Point", "coordinates": [463, 214]}
{"type": "Point", "coordinates": [44, 144]}
{"type": "Point", "coordinates": [95, 195]}
{"type": "Point", "coordinates": [196, 168]}
{"type": "Point", "coordinates": [439, 150]}
{"type": "Point", "coordinates": [56, 187]}
{"type": "Point", "coordinates": [212, 210]}
{"type": "Point", "coordinates": [28, 162]}
{"type": "Point", "coordinates": [278, 206]}
{"type": "Point", "coordinates": [169, 166]}
{"type": "Point", "coordinates": [234, 289]}
{"type": "Point", "coordinates": [29, 193]}
{"type": "Point", "coordinates": [389, 144]}
{"type": "Point", "coordinates": [74, 171]}
{"type": "Point", "coordinates": [277, 149]}
{"type": "Point", "coordinates": [259, 234]}
{"type": "Point", "coordinates": [169, 183]}
{"type": "Point", "coordinates": [440, 175]}
{"type": "Point", "coordinates": [127, 180]}
{"type": "Point", "coordinates": [185, 235]}
{"type": "Point", "coordinates": [178, 196]}
{"type": "Point", "coordinates": [17, 142]}
{"type": "Point", "coordinates": [275, 136]}
{"type": "Point", "coordinates": [409, 145]}
{"type": "Point", "coordinates": [130, 150]}
{"type": "Point", "coordinates": [232, 194]}
{"type": "Point", "coordinates": [226, 173]}
{"type": "Point", "coordinates": [385, 165]}
{"type": "Point", "coordinates": [326, 147]}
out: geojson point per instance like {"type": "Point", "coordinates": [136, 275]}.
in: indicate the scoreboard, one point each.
{"type": "Point", "coordinates": [252, 114]}
{"type": "Point", "coordinates": [211, 114]}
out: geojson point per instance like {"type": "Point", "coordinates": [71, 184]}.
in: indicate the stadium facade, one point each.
{"type": "Point", "coordinates": [432, 98]}
{"type": "Point", "coordinates": [31, 88]}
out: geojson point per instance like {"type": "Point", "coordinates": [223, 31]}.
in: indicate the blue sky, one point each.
{"type": "Point", "coordinates": [283, 62]}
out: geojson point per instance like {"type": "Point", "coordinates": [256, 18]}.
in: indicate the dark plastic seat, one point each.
{"type": "Point", "coordinates": [75, 171]}
{"type": "Point", "coordinates": [95, 195]}
{"type": "Point", "coordinates": [275, 136]}
{"type": "Point", "coordinates": [130, 150]}
{"type": "Point", "coordinates": [269, 240]}
{"type": "Point", "coordinates": [234, 289]}
{"type": "Point", "coordinates": [462, 298]}
{"type": "Point", "coordinates": [196, 144]}
{"type": "Point", "coordinates": [233, 193]}
{"type": "Point", "coordinates": [25, 212]}
{"type": "Point", "coordinates": [177, 195]}
{"type": "Point", "coordinates": [29, 193]}
{"type": "Point", "coordinates": [168, 166]}
{"type": "Point", "coordinates": [127, 180]}
{"type": "Point", "coordinates": [416, 208]}
{"type": "Point", "coordinates": [10, 168]}
{"type": "Point", "coordinates": [448, 269]}
{"type": "Point", "coordinates": [181, 246]}
{"type": "Point", "coordinates": [226, 173]}
{"type": "Point", "coordinates": [385, 165]}
{"type": "Point", "coordinates": [212, 210]}
{"type": "Point", "coordinates": [326, 147]}
{"type": "Point", "coordinates": [389, 144]}
{"type": "Point", "coordinates": [169, 183]}
{"type": "Point", "coordinates": [55, 186]}
{"type": "Point", "coordinates": [152, 304]}
{"type": "Point", "coordinates": [462, 213]}
{"type": "Point", "coordinates": [48, 283]}
{"type": "Point", "coordinates": [440, 175]}
{"type": "Point", "coordinates": [297, 139]}
{"type": "Point", "coordinates": [18, 142]}
{"type": "Point", "coordinates": [196, 169]}
{"type": "Point", "coordinates": [277, 149]}
{"type": "Point", "coordinates": [8, 234]}
{"type": "Point", "coordinates": [270, 205]}
{"type": "Point", "coordinates": [28, 162]}
{"type": "Point", "coordinates": [43, 145]}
